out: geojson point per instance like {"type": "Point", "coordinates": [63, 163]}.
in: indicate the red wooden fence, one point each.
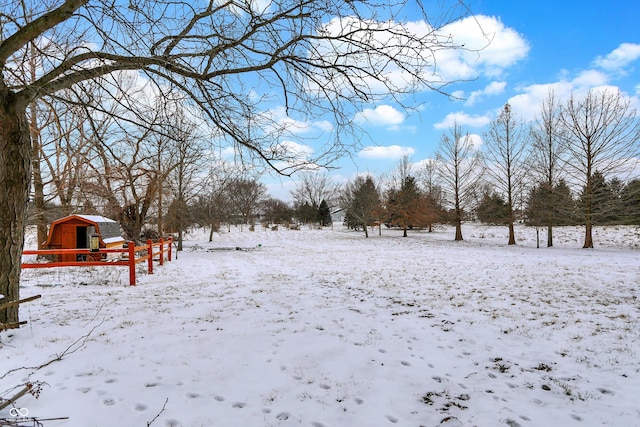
{"type": "Point", "coordinates": [131, 255]}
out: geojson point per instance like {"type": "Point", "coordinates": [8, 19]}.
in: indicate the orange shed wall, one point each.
{"type": "Point", "coordinates": [56, 233]}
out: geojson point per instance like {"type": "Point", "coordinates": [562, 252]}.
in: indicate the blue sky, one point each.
{"type": "Point", "coordinates": [569, 45]}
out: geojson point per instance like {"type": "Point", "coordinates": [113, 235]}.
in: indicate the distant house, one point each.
{"type": "Point", "coordinates": [73, 232]}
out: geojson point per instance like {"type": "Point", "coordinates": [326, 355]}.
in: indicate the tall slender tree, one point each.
{"type": "Point", "coordinates": [603, 133]}
{"type": "Point", "coordinates": [547, 155]}
{"type": "Point", "coordinates": [460, 170]}
{"type": "Point", "coordinates": [506, 152]}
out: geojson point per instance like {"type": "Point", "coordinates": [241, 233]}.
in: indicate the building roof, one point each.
{"type": "Point", "coordinates": [108, 229]}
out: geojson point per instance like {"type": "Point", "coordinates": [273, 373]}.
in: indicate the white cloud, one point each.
{"type": "Point", "coordinates": [292, 155]}
{"type": "Point", "coordinates": [476, 140]}
{"type": "Point", "coordinates": [492, 88]}
{"type": "Point", "coordinates": [619, 58]}
{"type": "Point", "coordinates": [458, 94]}
{"type": "Point", "coordinates": [490, 48]}
{"type": "Point", "coordinates": [278, 120]}
{"type": "Point", "coordinates": [527, 104]}
{"type": "Point", "coordinates": [463, 119]}
{"type": "Point", "coordinates": [390, 152]}
{"type": "Point", "coordinates": [590, 78]}
{"type": "Point", "coordinates": [382, 115]}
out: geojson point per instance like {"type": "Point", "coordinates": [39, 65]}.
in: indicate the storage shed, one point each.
{"type": "Point", "coordinates": [74, 231]}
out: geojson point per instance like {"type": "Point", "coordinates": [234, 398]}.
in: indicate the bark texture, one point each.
{"type": "Point", "coordinates": [15, 172]}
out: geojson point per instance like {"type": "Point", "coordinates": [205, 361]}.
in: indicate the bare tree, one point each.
{"type": "Point", "coordinates": [427, 175]}
{"type": "Point", "coordinates": [312, 188]}
{"type": "Point", "coordinates": [603, 135]}
{"type": "Point", "coordinates": [507, 154]}
{"type": "Point", "coordinates": [276, 212]}
{"type": "Point", "coordinates": [213, 206]}
{"type": "Point", "coordinates": [246, 196]}
{"type": "Point", "coordinates": [324, 57]}
{"type": "Point", "coordinates": [547, 155]}
{"type": "Point", "coordinates": [460, 168]}
{"type": "Point", "coordinates": [184, 166]}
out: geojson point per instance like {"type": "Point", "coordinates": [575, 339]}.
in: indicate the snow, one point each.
{"type": "Point", "coordinates": [327, 328]}
{"type": "Point", "coordinates": [109, 240]}
{"type": "Point", "coordinates": [95, 218]}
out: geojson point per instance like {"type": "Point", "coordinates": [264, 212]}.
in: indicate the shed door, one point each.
{"type": "Point", "coordinates": [68, 241]}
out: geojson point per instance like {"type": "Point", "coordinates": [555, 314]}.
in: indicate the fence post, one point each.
{"type": "Point", "coordinates": [132, 263]}
{"type": "Point", "coordinates": [150, 254]}
{"type": "Point", "coordinates": [161, 252]}
{"type": "Point", "coordinates": [170, 244]}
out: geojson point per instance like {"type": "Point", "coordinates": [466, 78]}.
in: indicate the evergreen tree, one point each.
{"type": "Point", "coordinates": [604, 199]}
{"type": "Point", "coordinates": [361, 202]}
{"type": "Point", "coordinates": [323, 216]}
{"type": "Point", "coordinates": [548, 207]}
{"type": "Point", "coordinates": [565, 204]}
{"type": "Point", "coordinates": [493, 210]}
{"type": "Point", "coordinates": [630, 203]}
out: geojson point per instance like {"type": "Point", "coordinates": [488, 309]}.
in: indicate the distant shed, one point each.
{"type": "Point", "coordinates": [73, 231]}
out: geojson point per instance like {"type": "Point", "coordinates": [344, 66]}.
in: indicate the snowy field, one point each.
{"type": "Point", "coordinates": [326, 328]}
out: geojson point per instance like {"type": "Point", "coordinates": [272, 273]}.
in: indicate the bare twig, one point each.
{"type": "Point", "coordinates": [72, 348]}
{"type": "Point", "coordinates": [12, 303]}
{"type": "Point", "coordinates": [37, 422]}
{"type": "Point", "coordinates": [26, 389]}
{"type": "Point", "coordinates": [158, 414]}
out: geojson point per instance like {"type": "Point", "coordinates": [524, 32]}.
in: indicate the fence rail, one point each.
{"type": "Point", "coordinates": [129, 257]}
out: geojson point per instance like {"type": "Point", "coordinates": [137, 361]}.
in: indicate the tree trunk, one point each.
{"type": "Point", "coordinates": [15, 173]}
{"type": "Point", "coordinates": [512, 234]}
{"type": "Point", "coordinates": [458, 230]}
{"type": "Point", "coordinates": [588, 238]}
{"type": "Point", "coordinates": [549, 236]}
{"type": "Point", "coordinates": [38, 184]}
{"type": "Point", "coordinates": [458, 220]}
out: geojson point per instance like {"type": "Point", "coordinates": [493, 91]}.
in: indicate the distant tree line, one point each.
{"type": "Point", "coordinates": [166, 180]}
{"type": "Point", "coordinates": [576, 164]}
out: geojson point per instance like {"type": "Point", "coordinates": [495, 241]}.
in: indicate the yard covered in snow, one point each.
{"type": "Point", "coordinates": [327, 328]}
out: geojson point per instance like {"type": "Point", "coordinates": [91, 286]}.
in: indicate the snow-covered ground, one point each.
{"type": "Point", "coordinates": [327, 328]}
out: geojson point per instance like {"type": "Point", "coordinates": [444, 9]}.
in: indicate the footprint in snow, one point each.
{"type": "Point", "coordinates": [391, 419]}
{"type": "Point", "coordinates": [109, 402]}
{"type": "Point", "coordinates": [358, 401]}
{"type": "Point", "coordinates": [239, 405]}
{"type": "Point", "coordinates": [140, 407]}
{"type": "Point", "coordinates": [283, 416]}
